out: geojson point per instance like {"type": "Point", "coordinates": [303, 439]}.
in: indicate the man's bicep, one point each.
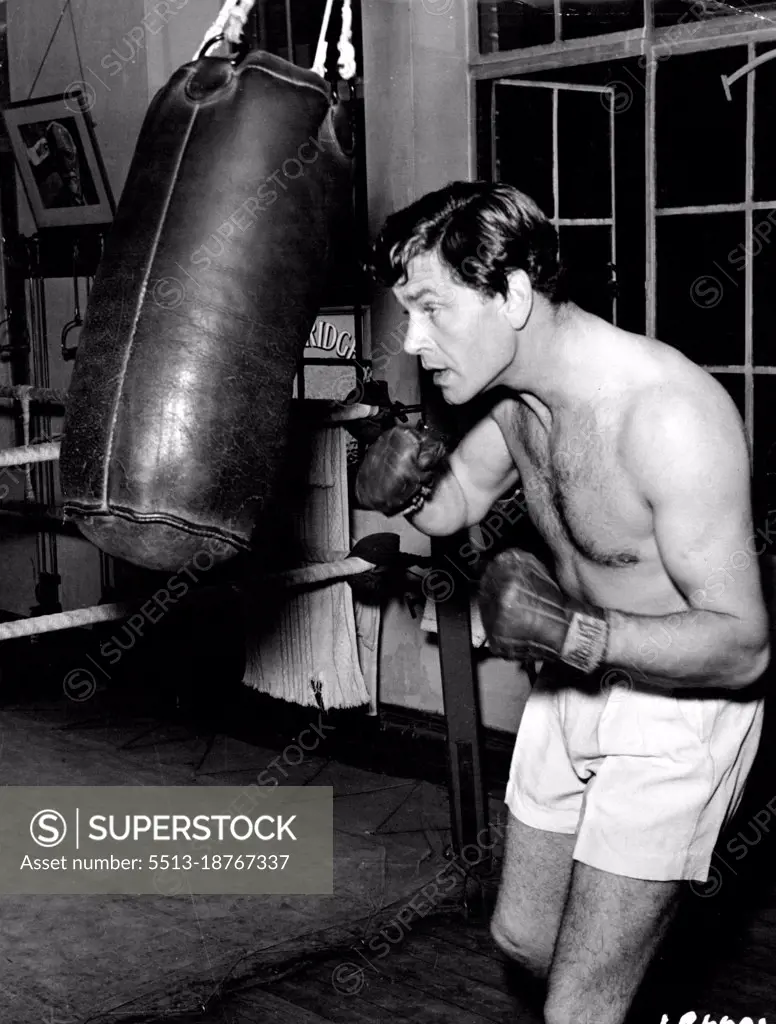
{"type": "Point", "coordinates": [704, 532]}
{"type": "Point", "coordinates": [707, 549]}
{"type": "Point", "coordinates": [689, 453]}
{"type": "Point", "coordinates": [484, 468]}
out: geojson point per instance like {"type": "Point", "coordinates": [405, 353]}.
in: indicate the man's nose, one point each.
{"type": "Point", "coordinates": [415, 339]}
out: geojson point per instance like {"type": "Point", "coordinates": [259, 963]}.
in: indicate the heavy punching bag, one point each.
{"type": "Point", "coordinates": [210, 282]}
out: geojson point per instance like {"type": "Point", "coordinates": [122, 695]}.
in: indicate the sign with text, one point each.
{"type": "Point", "coordinates": [166, 840]}
{"type": "Point", "coordinates": [333, 337]}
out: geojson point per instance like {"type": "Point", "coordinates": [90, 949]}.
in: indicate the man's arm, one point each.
{"type": "Point", "coordinates": [689, 456]}
{"type": "Point", "coordinates": [480, 469]}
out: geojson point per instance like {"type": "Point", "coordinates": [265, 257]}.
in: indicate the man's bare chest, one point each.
{"type": "Point", "coordinates": [577, 492]}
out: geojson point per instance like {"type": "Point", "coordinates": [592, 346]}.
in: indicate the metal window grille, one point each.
{"type": "Point", "coordinates": [741, 25]}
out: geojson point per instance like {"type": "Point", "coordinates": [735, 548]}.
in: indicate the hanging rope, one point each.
{"type": "Point", "coordinates": [67, 7]}
{"type": "Point", "coordinates": [347, 53]}
{"type": "Point", "coordinates": [48, 48]}
{"type": "Point", "coordinates": [75, 40]}
{"type": "Point", "coordinates": [305, 576]}
{"type": "Point", "coordinates": [230, 22]}
{"type": "Point", "coordinates": [321, 50]}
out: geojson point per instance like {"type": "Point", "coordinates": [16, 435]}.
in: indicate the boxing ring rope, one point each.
{"type": "Point", "coordinates": [47, 396]}
{"type": "Point", "coordinates": [48, 451]}
{"type": "Point", "coordinates": [337, 412]}
{"type": "Point", "coordinates": [303, 576]}
{"type": "Point", "coordinates": [325, 413]}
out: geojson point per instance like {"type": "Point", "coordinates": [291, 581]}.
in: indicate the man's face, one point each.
{"type": "Point", "coordinates": [461, 335]}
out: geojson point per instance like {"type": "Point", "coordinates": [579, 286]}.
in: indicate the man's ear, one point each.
{"type": "Point", "coordinates": [519, 299]}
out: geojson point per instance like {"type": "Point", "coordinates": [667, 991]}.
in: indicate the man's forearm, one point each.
{"type": "Point", "coordinates": [689, 649]}
{"type": "Point", "coordinates": [445, 511]}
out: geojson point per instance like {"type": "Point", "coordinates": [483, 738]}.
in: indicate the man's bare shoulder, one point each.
{"type": "Point", "coordinates": [678, 390]}
{"type": "Point", "coordinates": [658, 384]}
{"type": "Point", "coordinates": [681, 423]}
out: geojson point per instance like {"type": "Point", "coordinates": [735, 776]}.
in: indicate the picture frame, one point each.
{"type": "Point", "coordinates": [59, 161]}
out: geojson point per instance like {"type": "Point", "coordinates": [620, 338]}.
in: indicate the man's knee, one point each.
{"type": "Point", "coordinates": [520, 947]}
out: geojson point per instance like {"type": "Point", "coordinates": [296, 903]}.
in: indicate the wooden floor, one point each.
{"type": "Point", "coordinates": [447, 971]}
{"type": "Point", "coordinates": [444, 971]}
{"type": "Point", "coordinates": [720, 958]}
{"type": "Point", "coordinates": [431, 978]}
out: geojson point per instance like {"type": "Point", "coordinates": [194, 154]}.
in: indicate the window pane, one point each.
{"type": "Point", "coordinates": [524, 114]}
{"type": "Point", "coordinates": [687, 12]}
{"type": "Point", "coordinates": [584, 157]}
{"type": "Point", "coordinates": [580, 18]}
{"type": "Point", "coordinates": [764, 134]}
{"type": "Point", "coordinates": [700, 137]}
{"type": "Point", "coordinates": [513, 24]}
{"type": "Point", "coordinates": [586, 254]}
{"type": "Point", "coordinates": [700, 293]}
{"type": "Point", "coordinates": [763, 291]}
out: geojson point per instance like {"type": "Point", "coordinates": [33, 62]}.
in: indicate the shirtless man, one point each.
{"type": "Point", "coordinates": [635, 470]}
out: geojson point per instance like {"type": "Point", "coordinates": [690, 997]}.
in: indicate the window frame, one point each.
{"type": "Point", "coordinates": [652, 46]}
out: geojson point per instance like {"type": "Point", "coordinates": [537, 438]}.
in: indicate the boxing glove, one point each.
{"type": "Point", "coordinates": [527, 616]}
{"type": "Point", "coordinates": [400, 469]}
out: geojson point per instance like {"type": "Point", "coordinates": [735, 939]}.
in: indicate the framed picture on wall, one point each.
{"type": "Point", "coordinates": [59, 161]}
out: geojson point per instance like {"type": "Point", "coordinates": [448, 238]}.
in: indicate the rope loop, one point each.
{"type": "Point", "coordinates": [228, 26]}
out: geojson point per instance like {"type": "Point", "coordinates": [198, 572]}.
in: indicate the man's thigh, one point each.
{"type": "Point", "coordinates": [610, 930]}
{"type": "Point", "coordinates": [534, 886]}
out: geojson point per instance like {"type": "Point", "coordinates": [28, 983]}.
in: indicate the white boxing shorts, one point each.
{"type": "Point", "coordinates": [645, 779]}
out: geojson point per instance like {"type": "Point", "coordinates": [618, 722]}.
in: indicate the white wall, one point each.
{"type": "Point", "coordinates": [418, 138]}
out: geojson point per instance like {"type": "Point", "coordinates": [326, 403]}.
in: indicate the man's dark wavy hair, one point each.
{"type": "Point", "coordinates": [482, 231]}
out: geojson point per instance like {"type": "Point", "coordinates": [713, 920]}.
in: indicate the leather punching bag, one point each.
{"type": "Point", "coordinates": [211, 280]}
